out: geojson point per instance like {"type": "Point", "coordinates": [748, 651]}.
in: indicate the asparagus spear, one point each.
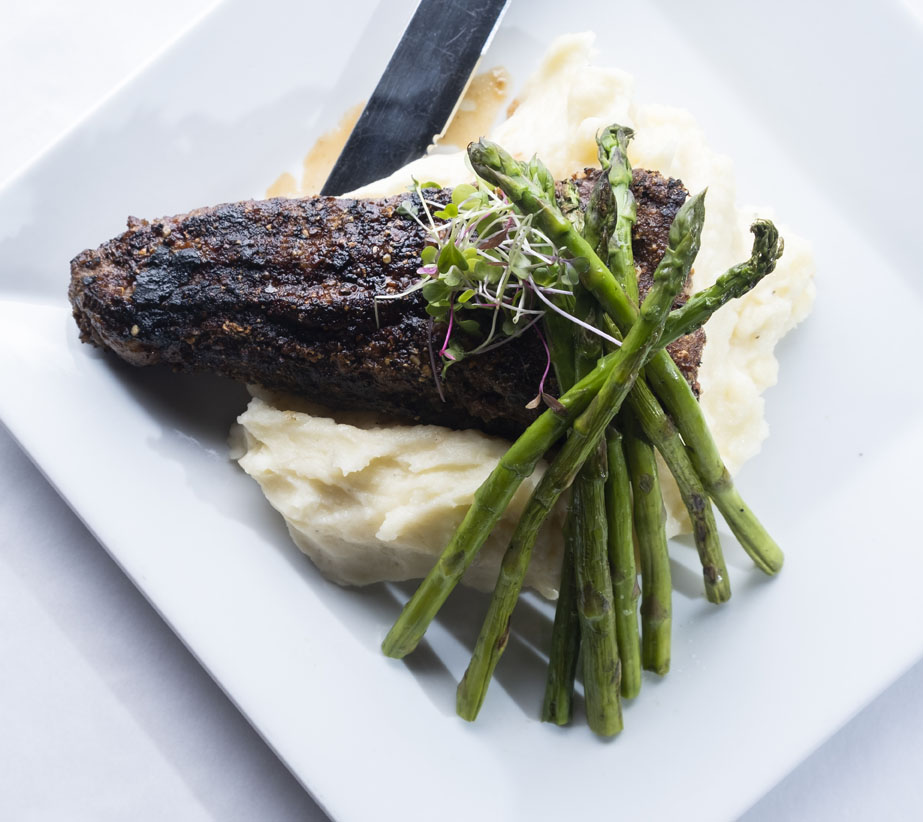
{"type": "Point", "coordinates": [496, 166]}
{"type": "Point", "coordinates": [670, 386]}
{"type": "Point", "coordinates": [595, 606]}
{"type": "Point", "coordinates": [735, 282]}
{"type": "Point", "coordinates": [622, 560]}
{"type": "Point", "coordinates": [656, 586]}
{"type": "Point", "coordinates": [585, 433]}
{"type": "Point", "coordinates": [595, 599]}
{"type": "Point", "coordinates": [608, 231]}
{"type": "Point", "coordinates": [600, 217]}
{"type": "Point", "coordinates": [613, 157]}
{"type": "Point", "coordinates": [559, 332]}
{"type": "Point", "coordinates": [565, 635]}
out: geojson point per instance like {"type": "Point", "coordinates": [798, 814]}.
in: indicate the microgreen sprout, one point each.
{"type": "Point", "coordinates": [487, 273]}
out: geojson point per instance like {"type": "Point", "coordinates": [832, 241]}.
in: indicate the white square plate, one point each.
{"type": "Point", "coordinates": [814, 109]}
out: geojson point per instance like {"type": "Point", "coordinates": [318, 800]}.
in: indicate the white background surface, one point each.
{"type": "Point", "coordinates": [103, 713]}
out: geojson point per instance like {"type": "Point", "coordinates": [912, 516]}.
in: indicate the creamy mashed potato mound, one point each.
{"type": "Point", "coordinates": [368, 500]}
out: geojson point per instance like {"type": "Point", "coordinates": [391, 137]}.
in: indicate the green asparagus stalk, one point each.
{"type": "Point", "coordinates": [622, 561]}
{"type": "Point", "coordinates": [656, 586]}
{"type": "Point", "coordinates": [595, 599]}
{"type": "Point", "coordinates": [613, 157]}
{"type": "Point", "coordinates": [671, 387]}
{"type": "Point", "coordinates": [559, 332]}
{"type": "Point", "coordinates": [496, 166]}
{"type": "Point", "coordinates": [585, 433]}
{"type": "Point", "coordinates": [565, 634]}
{"type": "Point", "coordinates": [735, 282]}
{"type": "Point", "coordinates": [658, 428]}
{"type": "Point", "coordinates": [595, 606]}
{"type": "Point", "coordinates": [609, 212]}
{"type": "Point", "coordinates": [600, 217]}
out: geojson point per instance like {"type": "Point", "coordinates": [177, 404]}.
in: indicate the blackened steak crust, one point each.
{"type": "Point", "coordinates": [281, 293]}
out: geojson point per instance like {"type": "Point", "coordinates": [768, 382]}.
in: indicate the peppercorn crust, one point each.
{"type": "Point", "coordinates": [281, 293]}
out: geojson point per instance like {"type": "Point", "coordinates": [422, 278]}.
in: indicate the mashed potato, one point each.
{"type": "Point", "coordinates": [368, 500]}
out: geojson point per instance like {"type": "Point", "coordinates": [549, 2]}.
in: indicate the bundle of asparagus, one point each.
{"type": "Point", "coordinates": [622, 399]}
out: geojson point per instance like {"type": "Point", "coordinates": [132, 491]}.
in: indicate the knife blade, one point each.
{"type": "Point", "coordinates": [419, 90]}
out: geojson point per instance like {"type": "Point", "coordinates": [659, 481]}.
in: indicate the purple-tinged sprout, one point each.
{"type": "Point", "coordinates": [571, 317]}
{"type": "Point", "coordinates": [536, 401]}
{"type": "Point", "coordinates": [497, 237]}
{"type": "Point", "coordinates": [448, 333]}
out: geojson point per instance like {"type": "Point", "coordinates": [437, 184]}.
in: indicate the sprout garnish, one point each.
{"type": "Point", "coordinates": [487, 273]}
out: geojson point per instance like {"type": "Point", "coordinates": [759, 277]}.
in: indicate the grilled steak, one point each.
{"type": "Point", "coordinates": [281, 293]}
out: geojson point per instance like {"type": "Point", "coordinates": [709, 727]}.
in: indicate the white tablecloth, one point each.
{"type": "Point", "coordinates": [103, 713]}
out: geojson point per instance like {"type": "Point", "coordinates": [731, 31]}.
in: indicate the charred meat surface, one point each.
{"type": "Point", "coordinates": [282, 293]}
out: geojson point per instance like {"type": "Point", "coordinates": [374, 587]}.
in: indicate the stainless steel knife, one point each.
{"type": "Point", "coordinates": [419, 90]}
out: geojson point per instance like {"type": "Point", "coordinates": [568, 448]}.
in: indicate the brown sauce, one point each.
{"type": "Point", "coordinates": [478, 108]}
{"type": "Point", "coordinates": [473, 118]}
